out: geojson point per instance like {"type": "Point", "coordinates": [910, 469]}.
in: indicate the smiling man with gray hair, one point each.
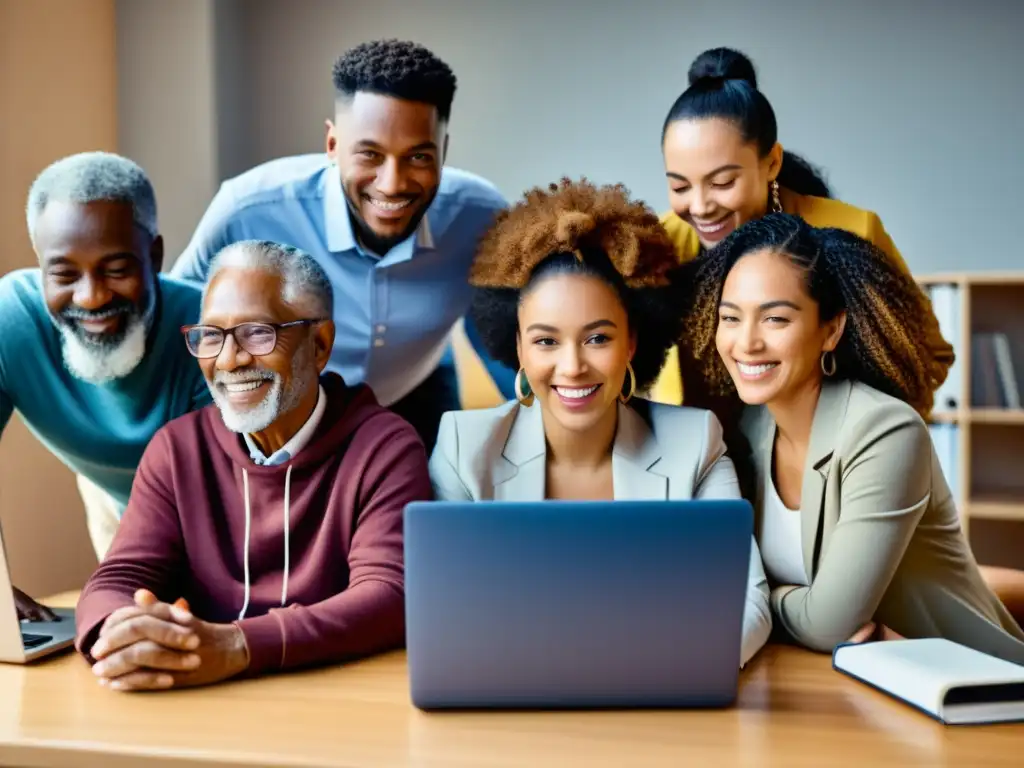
{"type": "Point", "coordinates": [275, 516]}
{"type": "Point", "coordinates": [253, 398]}
{"type": "Point", "coordinates": [90, 347]}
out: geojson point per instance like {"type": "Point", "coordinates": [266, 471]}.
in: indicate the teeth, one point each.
{"type": "Point", "coordinates": [711, 228]}
{"type": "Point", "coordinates": [386, 206]}
{"type": "Point", "coordinates": [576, 394]}
{"type": "Point", "coordinates": [755, 370]}
{"type": "Point", "coordinates": [243, 386]}
{"type": "Point", "coordinates": [97, 318]}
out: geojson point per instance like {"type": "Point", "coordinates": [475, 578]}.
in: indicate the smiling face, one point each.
{"type": "Point", "coordinates": [99, 283]}
{"type": "Point", "coordinates": [390, 153]}
{"type": "Point", "coordinates": [574, 346]}
{"type": "Point", "coordinates": [717, 181]}
{"type": "Point", "coordinates": [770, 334]}
{"type": "Point", "coordinates": [255, 392]}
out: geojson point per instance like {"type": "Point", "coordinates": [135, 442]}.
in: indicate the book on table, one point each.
{"type": "Point", "coordinates": [950, 682]}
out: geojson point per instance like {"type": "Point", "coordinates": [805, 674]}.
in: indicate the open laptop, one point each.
{"type": "Point", "coordinates": [24, 641]}
{"type": "Point", "coordinates": [575, 604]}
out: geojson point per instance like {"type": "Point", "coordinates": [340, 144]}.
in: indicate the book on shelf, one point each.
{"type": "Point", "coordinates": [945, 440]}
{"type": "Point", "coordinates": [946, 303]}
{"type": "Point", "coordinates": [993, 378]}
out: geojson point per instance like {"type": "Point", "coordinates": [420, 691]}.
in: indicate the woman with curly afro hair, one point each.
{"type": "Point", "coordinates": [575, 290]}
{"type": "Point", "coordinates": [823, 337]}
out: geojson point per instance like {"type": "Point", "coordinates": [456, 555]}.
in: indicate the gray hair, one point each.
{"type": "Point", "coordinates": [89, 177]}
{"type": "Point", "coordinates": [305, 284]}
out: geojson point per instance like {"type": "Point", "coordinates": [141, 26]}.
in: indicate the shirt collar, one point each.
{"type": "Point", "coordinates": [341, 236]}
{"type": "Point", "coordinates": [337, 221]}
{"type": "Point", "coordinates": [299, 440]}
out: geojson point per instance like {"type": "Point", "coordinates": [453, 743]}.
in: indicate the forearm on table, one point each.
{"type": "Point", "coordinates": [362, 620]}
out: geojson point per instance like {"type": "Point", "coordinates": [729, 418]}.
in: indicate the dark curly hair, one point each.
{"type": "Point", "coordinates": [396, 68]}
{"type": "Point", "coordinates": [723, 84]}
{"type": "Point", "coordinates": [889, 319]}
{"type": "Point", "coordinates": [582, 229]}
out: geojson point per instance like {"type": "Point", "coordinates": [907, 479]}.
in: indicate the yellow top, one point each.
{"type": "Point", "coordinates": [816, 211]}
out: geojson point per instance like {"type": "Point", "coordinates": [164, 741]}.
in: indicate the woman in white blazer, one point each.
{"type": "Point", "coordinates": [573, 288]}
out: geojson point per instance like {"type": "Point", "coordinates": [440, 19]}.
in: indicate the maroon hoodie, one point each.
{"type": "Point", "coordinates": [335, 592]}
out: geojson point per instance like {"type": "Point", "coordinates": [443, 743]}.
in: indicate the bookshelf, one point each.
{"type": "Point", "coordinates": [979, 432]}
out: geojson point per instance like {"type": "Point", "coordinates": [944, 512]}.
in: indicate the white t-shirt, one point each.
{"type": "Point", "coordinates": [780, 543]}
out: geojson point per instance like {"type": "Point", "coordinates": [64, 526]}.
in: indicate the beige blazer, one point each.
{"type": "Point", "coordinates": [879, 531]}
{"type": "Point", "coordinates": [675, 453]}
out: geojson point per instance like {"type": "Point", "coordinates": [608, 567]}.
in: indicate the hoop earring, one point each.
{"type": "Point", "coordinates": [776, 202]}
{"type": "Point", "coordinates": [830, 369]}
{"type": "Point", "coordinates": [522, 389]}
{"type": "Point", "coordinates": [625, 398]}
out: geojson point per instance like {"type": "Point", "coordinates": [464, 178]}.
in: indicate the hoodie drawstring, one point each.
{"type": "Point", "coordinates": [248, 528]}
{"type": "Point", "coordinates": [245, 550]}
{"type": "Point", "coordinates": [287, 527]}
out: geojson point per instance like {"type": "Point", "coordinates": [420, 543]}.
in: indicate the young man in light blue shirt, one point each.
{"type": "Point", "coordinates": [91, 352]}
{"type": "Point", "coordinates": [394, 229]}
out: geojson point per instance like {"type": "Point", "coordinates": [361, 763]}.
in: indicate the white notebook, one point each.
{"type": "Point", "coordinates": [948, 681]}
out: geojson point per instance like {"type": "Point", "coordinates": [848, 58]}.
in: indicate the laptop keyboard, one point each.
{"type": "Point", "coordinates": [30, 640]}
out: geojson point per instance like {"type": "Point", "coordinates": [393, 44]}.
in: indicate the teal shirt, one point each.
{"type": "Point", "coordinates": [99, 431]}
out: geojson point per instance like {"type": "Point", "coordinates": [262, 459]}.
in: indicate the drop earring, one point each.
{"type": "Point", "coordinates": [776, 202]}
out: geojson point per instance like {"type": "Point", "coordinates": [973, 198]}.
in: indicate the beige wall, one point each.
{"type": "Point", "coordinates": [57, 96]}
{"type": "Point", "coordinates": [165, 107]}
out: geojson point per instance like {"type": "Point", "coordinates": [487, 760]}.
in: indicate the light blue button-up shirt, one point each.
{"type": "Point", "coordinates": [393, 314]}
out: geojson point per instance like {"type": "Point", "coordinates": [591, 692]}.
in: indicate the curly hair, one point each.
{"type": "Point", "coordinates": [888, 317]}
{"type": "Point", "coordinates": [579, 228]}
{"type": "Point", "coordinates": [402, 69]}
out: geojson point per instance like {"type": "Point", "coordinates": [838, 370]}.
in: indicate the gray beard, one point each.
{"type": "Point", "coordinates": [275, 403]}
{"type": "Point", "coordinates": [100, 365]}
{"type": "Point", "coordinates": [103, 360]}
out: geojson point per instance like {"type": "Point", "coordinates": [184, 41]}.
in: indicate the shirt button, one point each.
{"type": "Point", "coordinates": [381, 328]}
{"type": "Point", "coordinates": [378, 342]}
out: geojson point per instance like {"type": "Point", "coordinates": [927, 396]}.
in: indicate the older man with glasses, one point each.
{"type": "Point", "coordinates": [263, 533]}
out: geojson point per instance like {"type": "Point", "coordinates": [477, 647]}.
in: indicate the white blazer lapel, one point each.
{"type": "Point", "coordinates": [634, 457]}
{"type": "Point", "coordinates": [522, 475]}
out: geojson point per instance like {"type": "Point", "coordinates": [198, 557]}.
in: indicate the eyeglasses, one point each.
{"type": "Point", "coordinates": [205, 341]}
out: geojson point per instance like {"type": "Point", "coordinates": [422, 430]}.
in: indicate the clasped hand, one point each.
{"type": "Point", "coordinates": [155, 646]}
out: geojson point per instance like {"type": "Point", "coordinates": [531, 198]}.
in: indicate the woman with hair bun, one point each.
{"type": "Point", "coordinates": [823, 338]}
{"type": "Point", "coordinates": [725, 166]}
{"type": "Point", "coordinates": [574, 287]}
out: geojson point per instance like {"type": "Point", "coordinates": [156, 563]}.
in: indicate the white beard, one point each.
{"type": "Point", "coordinates": [254, 419]}
{"type": "Point", "coordinates": [97, 365]}
{"type": "Point", "coordinates": [274, 403]}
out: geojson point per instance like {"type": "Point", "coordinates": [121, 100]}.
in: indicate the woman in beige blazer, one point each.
{"type": "Point", "coordinates": [824, 339]}
{"type": "Point", "coordinates": [573, 288]}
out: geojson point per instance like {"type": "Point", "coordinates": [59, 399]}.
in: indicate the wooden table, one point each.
{"type": "Point", "coordinates": [793, 710]}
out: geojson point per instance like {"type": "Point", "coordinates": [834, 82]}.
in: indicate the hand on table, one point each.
{"type": "Point", "coordinates": [154, 646]}
{"type": "Point", "coordinates": [874, 632]}
{"type": "Point", "coordinates": [30, 609]}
